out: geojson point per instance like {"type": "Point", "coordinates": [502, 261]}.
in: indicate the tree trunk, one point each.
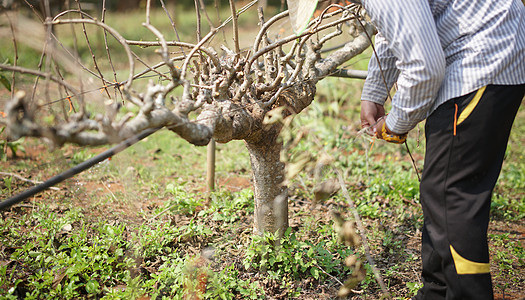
{"type": "Point", "coordinates": [271, 197]}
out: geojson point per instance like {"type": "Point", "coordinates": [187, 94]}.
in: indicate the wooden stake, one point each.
{"type": "Point", "coordinates": [210, 170]}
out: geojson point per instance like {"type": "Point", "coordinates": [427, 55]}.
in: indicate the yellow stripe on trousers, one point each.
{"type": "Point", "coordinates": [465, 266]}
{"type": "Point", "coordinates": [470, 107]}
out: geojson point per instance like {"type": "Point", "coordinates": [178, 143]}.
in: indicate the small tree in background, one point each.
{"type": "Point", "coordinates": [204, 90]}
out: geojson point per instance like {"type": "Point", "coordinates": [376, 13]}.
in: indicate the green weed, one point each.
{"type": "Point", "coordinates": [509, 257]}
{"type": "Point", "coordinates": [506, 208]}
{"type": "Point", "coordinates": [290, 258]}
{"type": "Point", "coordinates": [14, 146]}
{"type": "Point", "coordinates": [228, 207]}
{"type": "Point", "coordinates": [182, 202]}
{"type": "Point", "coordinates": [81, 155]}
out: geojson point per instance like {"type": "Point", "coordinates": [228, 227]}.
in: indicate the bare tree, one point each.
{"type": "Point", "coordinates": [234, 95]}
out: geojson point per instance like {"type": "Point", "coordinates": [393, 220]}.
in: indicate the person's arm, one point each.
{"type": "Point", "coordinates": [410, 35]}
{"type": "Point", "coordinates": [382, 74]}
{"type": "Point", "coordinates": [381, 69]}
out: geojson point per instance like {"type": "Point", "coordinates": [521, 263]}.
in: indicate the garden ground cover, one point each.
{"type": "Point", "coordinates": [141, 225]}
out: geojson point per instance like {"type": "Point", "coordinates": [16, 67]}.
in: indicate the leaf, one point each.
{"type": "Point", "coordinates": [273, 116]}
{"type": "Point", "coordinates": [67, 227]}
{"type": "Point", "coordinates": [92, 287]}
{"type": "Point", "coordinates": [326, 189]}
{"type": "Point", "coordinates": [5, 82]}
{"type": "Point", "coordinates": [301, 12]}
{"type": "Point", "coordinates": [315, 273]}
{"type": "Point", "coordinates": [302, 162]}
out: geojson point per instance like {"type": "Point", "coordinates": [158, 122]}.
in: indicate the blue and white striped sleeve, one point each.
{"type": "Point", "coordinates": [383, 62]}
{"type": "Point", "coordinates": [410, 34]}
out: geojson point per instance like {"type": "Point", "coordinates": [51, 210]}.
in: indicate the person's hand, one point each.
{"type": "Point", "coordinates": [371, 116]}
{"type": "Point", "coordinates": [382, 132]}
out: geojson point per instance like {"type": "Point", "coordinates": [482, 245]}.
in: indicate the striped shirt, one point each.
{"type": "Point", "coordinates": [437, 50]}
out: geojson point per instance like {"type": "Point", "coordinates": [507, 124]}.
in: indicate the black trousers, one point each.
{"type": "Point", "coordinates": [466, 139]}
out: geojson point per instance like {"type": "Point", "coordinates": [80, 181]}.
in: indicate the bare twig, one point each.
{"type": "Point", "coordinates": [95, 64]}
{"type": "Point", "coordinates": [39, 68]}
{"type": "Point", "coordinates": [27, 180]}
{"type": "Point", "coordinates": [165, 54]}
{"type": "Point", "coordinates": [209, 36]}
{"type": "Point", "coordinates": [203, 7]}
{"type": "Point", "coordinates": [35, 12]}
{"type": "Point", "coordinates": [328, 274]}
{"type": "Point", "coordinates": [74, 53]}
{"type": "Point", "coordinates": [235, 28]}
{"type": "Point", "coordinates": [362, 231]}
{"type": "Point", "coordinates": [106, 45]}
{"type": "Point", "coordinates": [178, 44]}
{"type": "Point", "coordinates": [57, 70]}
{"type": "Point", "coordinates": [290, 38]}
{"type": "Point", "coordinates": [172, 24]}
{"type": "Point", "coordinates": [194, 50]}
{"type": "Point", "coordinates": [198, 12]}
{"type": "Point", "coordinates": [265, 27]}
{"type": "Point", "coordinates": [49, 45]}
{"type": "Point", "coordinates": [148, 4]}
{"type": "Point", "coordinates": [150, 68]}
{"type": "Point", "coordinates": [413, 161]}
{"type": "Point", "coordinates": [115, 34]}
{"type": "Point", "coordinates": [335, 59]}
{"type": "Point", "coordinates": [15, 47]}
{"type": "Point", "coordinates": [39, 74]}
{"type": "Point", "coordinates": [78, 11]}
{"type": "Point", "coordinates": [107, 188]}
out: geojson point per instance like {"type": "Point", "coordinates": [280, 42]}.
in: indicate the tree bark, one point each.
{"type": "Point", "coordinates": [271, 196]}
{"type": "Point", "coordinates": [264, 146]}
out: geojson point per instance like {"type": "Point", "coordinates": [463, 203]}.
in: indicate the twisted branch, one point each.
{"type": "Point", "coordinates": [219, 87]}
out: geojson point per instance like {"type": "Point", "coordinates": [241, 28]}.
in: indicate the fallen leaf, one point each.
{"type": "Point", "coordinates": [67, 227]}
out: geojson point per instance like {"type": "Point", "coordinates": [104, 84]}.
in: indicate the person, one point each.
{"type": "Point", "coordinates": [459, 64]}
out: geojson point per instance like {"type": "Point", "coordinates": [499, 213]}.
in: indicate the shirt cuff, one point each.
{"type": "Point", "coordinates": [373, 96]}
{"type": "Point", "coordinates": [377, 101]}
{"type": "Point", "coordinates": [397, 125]}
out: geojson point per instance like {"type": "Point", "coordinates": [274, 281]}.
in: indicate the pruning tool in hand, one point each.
{"type": "Point", "coordinates": [390, 137]}
{"type": "Point", "coordinates": [384, 134]}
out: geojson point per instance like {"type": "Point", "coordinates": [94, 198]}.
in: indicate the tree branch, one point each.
{"type": "Point", "coordinates": [351, 49]}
